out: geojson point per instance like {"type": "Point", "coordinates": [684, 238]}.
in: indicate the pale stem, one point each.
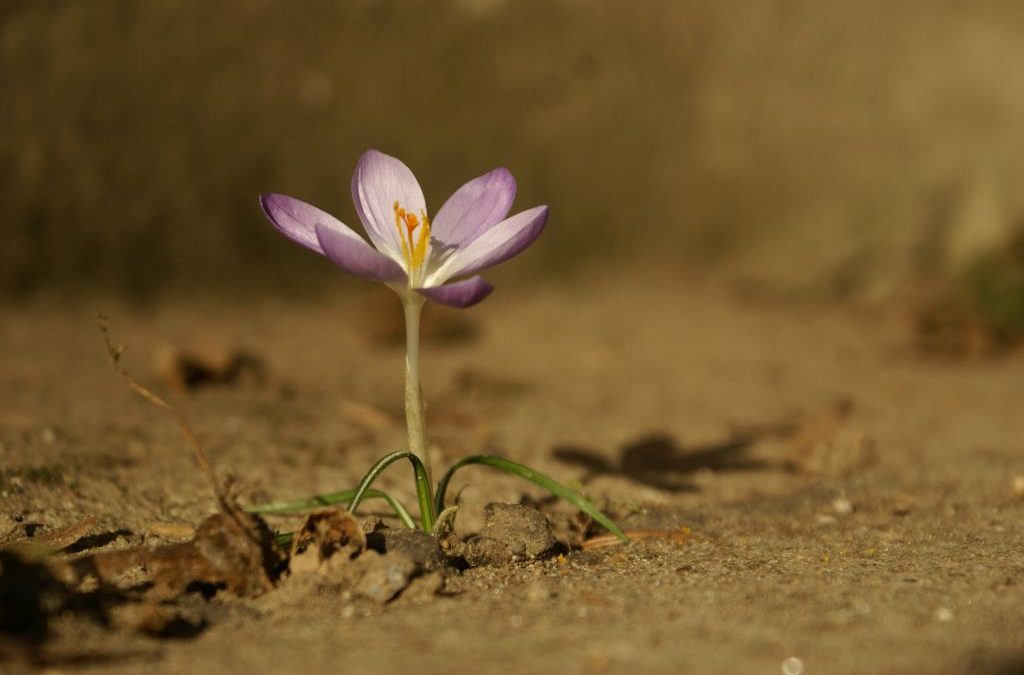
{"type": "Point", "coordinates": [413, 394]}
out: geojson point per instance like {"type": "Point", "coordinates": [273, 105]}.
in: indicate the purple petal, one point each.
{"type": "Point", "coordinates": [347, 250]}
{"type": "Point", "coordinates": [465, 293]}
{"type": "Point", "coordinates": [506, 239]}
{"type": "Point", "coordinates": [475, 207]}
{"type": "Point", "coordinates": [297, 220]}
{"type": "Point", "coordinates": [378, 182]}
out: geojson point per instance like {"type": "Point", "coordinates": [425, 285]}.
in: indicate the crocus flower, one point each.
{"type": "Point", "coordinates": [411, 252]}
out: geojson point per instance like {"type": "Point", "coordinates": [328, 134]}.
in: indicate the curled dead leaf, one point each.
{"type": "Point", "coordinates": [333, 534]}
{"type": "Point", "coordinates": [231, 552]}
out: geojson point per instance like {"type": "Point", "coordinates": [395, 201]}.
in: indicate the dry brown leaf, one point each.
{"type": "Point", "coordinates": [608, 540]}
{"type": "Point", "coordinates": [229, 554]}
{"type": "Point", "coordinates": [51, 542]}
{"type": "Point", "coordinates": [334, 534]}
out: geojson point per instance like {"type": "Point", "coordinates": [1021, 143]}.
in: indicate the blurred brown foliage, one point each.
{"type": "Point", "coordinates": [850, 145]}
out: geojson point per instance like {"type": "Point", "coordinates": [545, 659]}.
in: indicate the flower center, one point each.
{"type": "Point", "coordinates": [414, 246]}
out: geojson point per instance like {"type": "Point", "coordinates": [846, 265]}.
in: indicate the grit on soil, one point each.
{"type": "Point", "coordinates": [839, 503]}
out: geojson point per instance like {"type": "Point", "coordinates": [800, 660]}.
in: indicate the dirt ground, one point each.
{"type": "Point", "coordinates": [842, 503]}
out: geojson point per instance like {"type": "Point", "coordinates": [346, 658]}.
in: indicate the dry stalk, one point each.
{"type": "Point", "coordinates": [225, 499]}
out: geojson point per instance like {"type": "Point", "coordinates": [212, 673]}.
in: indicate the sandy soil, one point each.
{"type": "Point", "coordinates": [850, 504]}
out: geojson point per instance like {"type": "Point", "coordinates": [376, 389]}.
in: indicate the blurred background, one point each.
{"type": "Point", "coordinates": [866, 151]}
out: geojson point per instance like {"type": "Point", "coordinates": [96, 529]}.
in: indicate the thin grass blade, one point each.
{"type": "Point", "coordinates": [536, 477]}
{"type": "Point", "coordinates": [332, 498]}
{"type": "Point", "coordinates": [373, 474]}
{"type": "Point", "coordinates": [423, 492]}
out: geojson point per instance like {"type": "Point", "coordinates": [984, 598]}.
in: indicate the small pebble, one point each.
{"type": "Point", "coordinates": [1018, 485]}
{"type": "Point", "coordinates": [386, 577]}
{"type": "Point", "coordinates": [842, 506]}
{"type": "Point", "coordinates": [792, 666]}
{"type": "Point", "coordinates": [944, 615]}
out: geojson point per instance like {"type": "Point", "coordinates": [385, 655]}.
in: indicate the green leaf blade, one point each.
{"type": "Point", "coordinates": [330, 499]}
{"type": "Point", "coordinates": [423, 492]}
{"type": "Point", "coordinates": [535, 477]}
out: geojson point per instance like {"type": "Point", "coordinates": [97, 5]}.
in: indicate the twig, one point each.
{"type": "Point", "coordinates": [609, 540]}
{"type": "Point", "coordinates": [115, 353]}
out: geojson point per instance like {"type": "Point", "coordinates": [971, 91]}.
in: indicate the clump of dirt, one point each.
{"type": "Point", "coordinates": [511, 533]}
{"type": "Point", "coordinates": [382, 578]}
{"type": "Point", "coordinates": [368, 560]}
{"type": "Point", "coordinates": [421, 548]}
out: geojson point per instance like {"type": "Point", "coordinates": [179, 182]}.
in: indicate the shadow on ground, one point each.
{"type": "Point", "coordinates": [658, 460]}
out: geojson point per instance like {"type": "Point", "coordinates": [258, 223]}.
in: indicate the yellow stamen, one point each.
{"type": "Point", "coordinates": [420, 250]}
{"type": "Point", "coordinates": [413, 250]}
